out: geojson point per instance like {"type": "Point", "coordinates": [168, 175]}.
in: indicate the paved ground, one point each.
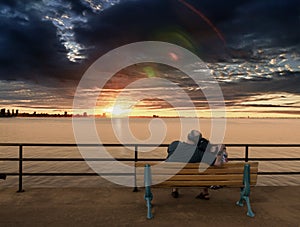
{"type": "Point", "coordinates": [118, 206]}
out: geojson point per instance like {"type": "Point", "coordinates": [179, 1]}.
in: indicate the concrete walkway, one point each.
{"type": "Point", "coordinates": [118, 206]}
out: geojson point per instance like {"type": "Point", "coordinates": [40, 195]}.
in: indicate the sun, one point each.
{"type": "Point", "coordinates": [117, 111]}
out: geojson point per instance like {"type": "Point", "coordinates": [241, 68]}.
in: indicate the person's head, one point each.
{"type": "Point", "coordinates": [194, 136]}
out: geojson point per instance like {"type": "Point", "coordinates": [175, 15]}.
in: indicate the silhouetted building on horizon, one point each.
{"type": "Point", "coordinates": [2, 113]}
{"type": "Point", "coordinates": [7, 113]}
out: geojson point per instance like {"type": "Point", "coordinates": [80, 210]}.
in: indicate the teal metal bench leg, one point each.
{"type": "Point", "coordinates": [250, 212]}
{"type": "Point", "coordinates": [148, 198]}
{"type": "Point", "coordinates": [148, 194]}
{"type": "Point", "coordinates": [240, 202]}
{"type": "Point", "coordinates": [245, 192]}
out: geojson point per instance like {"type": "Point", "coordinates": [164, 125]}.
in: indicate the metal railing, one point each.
{"type": "Point", "coordinates": [20, 159]}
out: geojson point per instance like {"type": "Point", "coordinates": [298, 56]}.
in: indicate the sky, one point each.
{"type": "Point", "coordinates": [251, 48]}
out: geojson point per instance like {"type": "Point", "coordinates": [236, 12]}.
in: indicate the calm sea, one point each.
{"type": "Point", "coordinates": [141, 130]}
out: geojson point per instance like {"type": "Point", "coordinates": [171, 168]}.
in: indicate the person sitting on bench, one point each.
{"type": "Point", "coordinates": [193, 151]}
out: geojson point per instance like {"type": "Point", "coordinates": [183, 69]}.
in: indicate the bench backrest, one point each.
{"type": "Point", "coordinates": [178, 175]}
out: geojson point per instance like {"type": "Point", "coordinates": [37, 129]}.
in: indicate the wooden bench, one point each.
{"type": "Point", "coordinates": [176, 175]}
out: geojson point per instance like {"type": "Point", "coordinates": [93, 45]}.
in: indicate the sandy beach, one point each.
{"type": "Point", "coordinates": [119, 206]}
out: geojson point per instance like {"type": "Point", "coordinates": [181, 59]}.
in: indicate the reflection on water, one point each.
{"type": "Point", "coordinates": [38, 130]}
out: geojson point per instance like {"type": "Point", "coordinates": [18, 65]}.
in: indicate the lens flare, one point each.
{"type": "Point", "coordinates": [176, 36]}
{"type": "Point", "coordinates": [150, 72]}
{"type": "Point", "coordinates": [173, 56]}
{"type": "Point", "coordinates": [199, 13]}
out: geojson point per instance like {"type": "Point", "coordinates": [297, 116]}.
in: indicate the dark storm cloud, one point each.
{"type": "Point", "coordinates": [276, 22]}
{"type": "Point", "coordinates": [134, 21]}
{"type": "Point", "coordinates": [29, 46]}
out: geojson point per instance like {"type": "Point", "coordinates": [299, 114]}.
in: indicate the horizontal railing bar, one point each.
{"type": "Point", "coordinates": [274, 159]}
{"type": "Point", "coordinates": [81, 145]}
{"type": "Point", "coordinates": [263, 145]}
{"type": "Point", "coordinates": [132, 145]}
{"type": "Point", "coordinates": [77, 159]}
{"type": "Point", "coordinates": [9, 159]}
{"type": "Point", "coordinates": [132, 159]}
{"type": "Point", "coordinates": [278, 173]}
{"type": "Point", "coordinates": [124, 174]}
{"type": "Point", "coordinates": [78, 174]}
{"type": "Point", "coordinates": [265, 159]}
{"type": "Point", "coordinates": [81, 159]}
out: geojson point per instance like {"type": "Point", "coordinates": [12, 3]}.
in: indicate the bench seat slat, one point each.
{"type": "Point", "coordinates": [196, 177]}
{"type": "Point", "coordinates": [218, 181]}
{"type": "Point", "coordinates": [204, 177]}
{"type": "Point", "coordinates": [162, 171]}
{"type": "Point", "coordinates": [176, 184]}
{"type": "Point", "coordinates": [177, 165]}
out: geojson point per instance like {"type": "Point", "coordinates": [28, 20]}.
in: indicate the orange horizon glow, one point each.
{"type": "Point", "coordinates": [258, 106]}
{"type": "Point", "coordinates": [118, 112]}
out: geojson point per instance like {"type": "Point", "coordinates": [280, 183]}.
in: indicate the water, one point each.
{"type": "Point", "coordinates": [59, 130]}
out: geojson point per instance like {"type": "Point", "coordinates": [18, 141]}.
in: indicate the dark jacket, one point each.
{"type": "Point", "coordinates": [188, 153]}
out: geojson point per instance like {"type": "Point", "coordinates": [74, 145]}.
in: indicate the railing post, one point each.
{"type": "Point", "coordinates": [135, 189]}
{"type": "Point", "coordinates": [246, 153]}
{"type": "Point", "coordinates": [20, 169]}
